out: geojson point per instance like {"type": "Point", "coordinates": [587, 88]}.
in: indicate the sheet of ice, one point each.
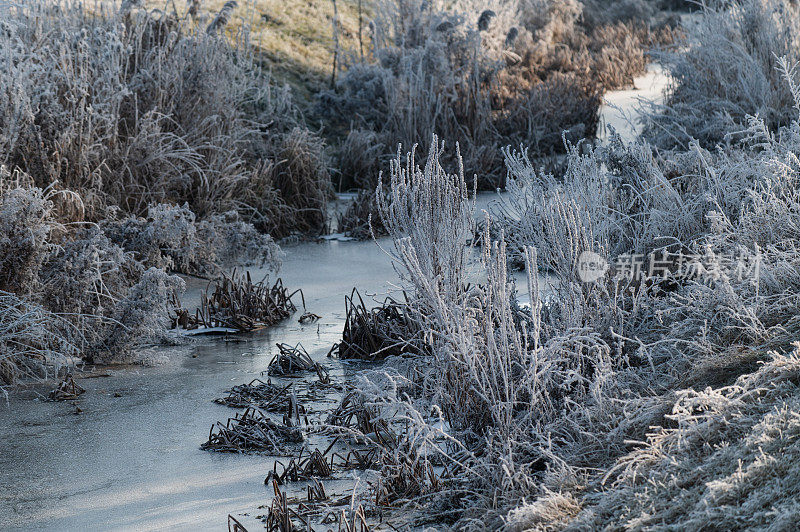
{"type": "Point", "coordinates": [620, 109]}
{"type": "Point", "coordinates": [134, 461]}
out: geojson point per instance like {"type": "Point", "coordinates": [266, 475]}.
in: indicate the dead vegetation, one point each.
{"type": "Point", "coordinates": [726, 70]}
{"type": "Point", "coordinates": [374, 334]}
{"type": "Point", "coordinates": [309, 317]}
{"type": "Point", "coordinates": [292, 361]}
{"type": "Point", "coordinates": [307, 466]}
{"type": "Point", "coordinates": [234, 525]}
{"type": "Point", "coordinates": [259, 394]}
{"type": "Point", "coordinates": [287, 514]}
{"type": "Point", "coordinates": [67, 390]}
{"type": "Point", "coordinates": [239, 304]}
{"type": "Point", "coordinates": [252, 431]}
{"type": "Point", "coordinates": [359, 418]}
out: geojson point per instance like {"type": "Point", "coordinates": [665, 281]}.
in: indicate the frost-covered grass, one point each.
{"type": "Point", "coordinates": [34, 343]}
{"type": "Point", "coordinates": [131, 108]}
{"type": "Point", "coordinates": [486, 75]}
{"type": "Point", "coordinates": [97, 291]}
{"type": "Point", "coordinates": [725, 70]}
{"type": "Point", "coordinates": [724, 458]}
{"type": "Point", "coordinates": [666, 400]}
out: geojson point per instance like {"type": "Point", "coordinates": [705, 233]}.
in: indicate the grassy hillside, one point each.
{"type": "Point", "coordinates": [296, 37]}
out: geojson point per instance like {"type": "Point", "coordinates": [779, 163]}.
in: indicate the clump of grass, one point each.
{"type": "Point", "coordinates": [725, 70]}
{"type": "Point", "coordinates": [34, 343]}
{"type": "Point", "coordinates": [360, 220]}
{"type": "Point", "coordinates": [359, 159]}
{"type": "Point", "coordinates": [301, 173]}
{"type": "Point", "coordinates": [66, 390]}
{"type": "Point", "coordinates": [239, 304]}
{"type": "Point", "coordinates": [292, 360]}
{"type": "Point", "coordinates": [287, 514]}
{"type": "Point", "coordinates": [307, 465]}
{"type": "Point", "coordinates": [564, 107]}
{"type": "Point", "coordinates": [252, 432]}
{"type": "Point", "coordinates": [374, 334]}
{"type": "Point", "coordinates": [257, 393]}
{"type": "Point", "coordinates": [355, 414]}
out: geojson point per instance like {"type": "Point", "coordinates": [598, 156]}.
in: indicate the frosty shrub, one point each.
{"type": "Point", "coordinates": [170, 238]}
{"type": "Point", "coordinates": [33, 342]}
{"type": "Point", "coordinates": [26, 222]}
{"type": "Point", "coordinates": [87, 274]}
{"type": "Point", "coordinates": [92, 280]}
{"type": "Point", "coordinates": [143, 316]}
{"type": "Point", "coordinates": [618, 199]}
{"type": "Point", "coordinates": [238, 243]}
{"type": "Point", "coordinates": [427, 208]}
{"type": "Point", "coordinates": [494, 379]}
{"type": "Point", "coordinates": [485, 75]}
{"type": "Point", "coordinates": [134, 108]}
{"type": "Point", "coordinates": [726, 70]}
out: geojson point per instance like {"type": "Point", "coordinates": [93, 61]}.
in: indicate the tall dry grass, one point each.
{"type": "Point", "coordinates": [485, 75]}
{"type": "Point", "coordinates": [131, 108]}
{"type": "Point", "coordinates": [555, 415]}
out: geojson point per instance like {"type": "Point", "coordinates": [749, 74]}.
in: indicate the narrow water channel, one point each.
{"type": "Point", "coordinates": [126, 455]}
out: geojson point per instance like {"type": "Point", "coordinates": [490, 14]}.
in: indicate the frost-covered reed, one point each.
{"type": "Point", "coordinates": [485, 75]}
{"type": "Point", "coordinates": [131, 108]}
{"type": "Point", "coordinates": [552, 416]}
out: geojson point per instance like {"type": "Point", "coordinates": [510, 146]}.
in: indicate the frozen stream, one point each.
{"type": "Point", "coordinates": [134, 461]}
{"type": "Point", "coordinates": [131, 458]}
{"type": "Point", "coordinates": [620, 109]}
